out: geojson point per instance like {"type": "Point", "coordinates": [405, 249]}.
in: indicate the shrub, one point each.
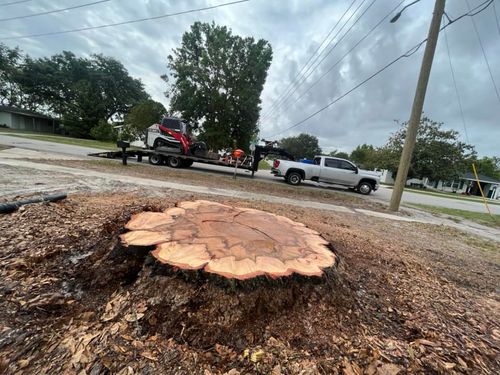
{"type": "Point", "coordinates": [103, 131]}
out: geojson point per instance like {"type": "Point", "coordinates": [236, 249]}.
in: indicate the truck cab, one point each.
{"type": "Point", "coordinates": [330, 170]}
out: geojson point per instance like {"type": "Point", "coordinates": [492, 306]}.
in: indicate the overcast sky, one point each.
{"type": "Point", "coordinates": [295, 30]}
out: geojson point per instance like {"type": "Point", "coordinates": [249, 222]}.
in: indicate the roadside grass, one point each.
{"type": "Point", "coordinates": [264, 165]}
{"type": "Point", "coordinates": [459, 215]}
{"type": "Point", "coordinates": [60, 139]}
{"type": "Point", "coordinates": [448, 195]}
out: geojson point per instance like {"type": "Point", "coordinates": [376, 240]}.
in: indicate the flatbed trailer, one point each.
{"type": "Point", "coordinates": [172, 158]}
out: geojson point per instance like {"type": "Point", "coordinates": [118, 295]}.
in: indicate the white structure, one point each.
{"type": "Point", "coordinates": [465, 184]}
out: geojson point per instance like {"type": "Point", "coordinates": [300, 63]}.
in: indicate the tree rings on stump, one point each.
{"type": "Point", "coordinates": [236, 243]}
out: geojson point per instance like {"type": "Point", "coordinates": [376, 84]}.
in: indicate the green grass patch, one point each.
{"type": "Point", "coordinates": [264, 165]}
{"type": "Point", "coordinates": [61, 139]}
{"type": "Point", "coordinates": [458, 215]}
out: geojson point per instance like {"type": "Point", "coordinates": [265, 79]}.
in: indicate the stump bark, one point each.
{"type": "Point", "coordinates": [239, 243]}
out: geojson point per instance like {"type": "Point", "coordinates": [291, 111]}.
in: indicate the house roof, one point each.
{"type": "Point", "coordinates": [482, 178]}
{"type": "Point", "coordinates": [21, 111]}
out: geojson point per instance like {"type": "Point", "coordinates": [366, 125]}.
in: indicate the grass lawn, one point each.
{"type": "Point", "coordinates": [60, 139]}
{"type": "Point", "coordinates": [264, 165]}
{"type": "Point", "coordinates": [458, 215]}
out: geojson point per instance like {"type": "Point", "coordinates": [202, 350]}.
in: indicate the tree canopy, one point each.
{"type": "Point", "coordinates": [339, 154]}
{"type": "Point", "coordinates": [365, 156]}
{"type": "Point", "coordinates": [301, 146]}
{"type": "Point", "coordinates": [216, 82]}
{"type": "Point", "coordinates": [489, 166]}
{"type": "Point", "coordinates": [142, 115]}
{"type": "Point", "coordinates": [80, 91]}
{"type": "Point", "coordinates": [438, 153]}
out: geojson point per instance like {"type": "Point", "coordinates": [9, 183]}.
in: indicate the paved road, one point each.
{"type": "Point", "coordinates": [382, 195]}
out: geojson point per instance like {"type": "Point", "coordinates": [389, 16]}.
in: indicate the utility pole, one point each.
{"type": "Point", "coordinates": [418, 104]}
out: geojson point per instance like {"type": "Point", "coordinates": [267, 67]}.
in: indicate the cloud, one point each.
{"type": "Point", "coordinates": [295, 29]}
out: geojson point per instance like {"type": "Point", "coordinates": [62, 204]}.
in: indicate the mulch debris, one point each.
{"type": "Point", "coordinates": [72, 300]}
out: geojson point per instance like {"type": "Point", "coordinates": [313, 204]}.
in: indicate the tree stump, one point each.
{"type": "Point", "coordinates": [236, 243]}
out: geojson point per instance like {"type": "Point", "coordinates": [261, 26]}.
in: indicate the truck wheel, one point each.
{"type": "Point", "coordinates": [364, 188]}
{"type": "Point", "coordinates": [294, 178]}
{"type": "Point", "coordinates": [155, 159]}
{"type": "Point", "coordinates": [174, 162]}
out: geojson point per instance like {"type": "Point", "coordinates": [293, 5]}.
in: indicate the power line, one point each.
{"type": "Point", "coordinates": [345, 55]}
{"type": "Point", "coordinates": [408, 53]}
{"type": "Point", "coordinates": [484, 5]}
{"type": "Point", "coordinates": [53, 11]}
{"type": "Point", "coordinates": [343, 36]}
{"type": "Point", "coordinates": [456, 87]}
{"type": "Point", "coordinates": [305, 77]}
{"type": "Point", "coordinates": [295, 80]}
{"type": "Point", "coordinates": [484, 53]}
{"type": "Point", "coordinates": [14, 2]}
{"type": "Point", "coordinates": [124, 22]}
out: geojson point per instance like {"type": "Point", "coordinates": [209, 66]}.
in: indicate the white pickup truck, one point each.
{"type": "Point", "coordinates": [329, 170]}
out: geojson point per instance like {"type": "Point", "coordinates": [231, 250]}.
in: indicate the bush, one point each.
{"type": "Point", "coordinates": [103, 132]}
{"type": "Point", "coordinates": [126, 133]}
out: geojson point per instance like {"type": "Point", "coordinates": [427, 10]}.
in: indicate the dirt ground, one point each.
{"type": "Point", "coordinates": [405, 298]}
{"type": "Point", "coordinates": [243, 182]}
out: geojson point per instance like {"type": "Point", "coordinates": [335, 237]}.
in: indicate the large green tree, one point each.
{"type": "Point", "coordinates": [80, 91]}
{"type": "Point", "coordinates": [10, 61]}
{"type": "Point", "coordinates": [143, 115]}
{"type": "Point", "coordinates": [301, 146]}
{"type": "Point", "coordinates": [216, 79]}
{"type": "Point", "coordinates": [339, 154]}
{"type": "Point", "coordinates": [438, 153]}
{"type": "Point", "coordinates": [488, 166]}
{"type": "Point", "coordinates": [365, 156]}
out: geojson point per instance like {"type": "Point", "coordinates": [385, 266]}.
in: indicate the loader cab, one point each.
{"type": "Point", "coordinates": [176, 124]}
{"type": "Point", "coordinates": [169, 132]}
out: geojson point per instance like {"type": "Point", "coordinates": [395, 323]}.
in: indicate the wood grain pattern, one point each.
{"type": "Point", "coordinates": [233, 242]}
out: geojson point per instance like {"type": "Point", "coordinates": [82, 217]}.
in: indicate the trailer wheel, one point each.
{"type": "Point", "coordinates": [155, 159]}
{"type": "Point", "coordinates": [174, 162]}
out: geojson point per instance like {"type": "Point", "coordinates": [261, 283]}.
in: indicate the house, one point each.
{"type": "Point", "coordinates": [465, 184]}
{"type": "Point", "coordinates": [23, 119]}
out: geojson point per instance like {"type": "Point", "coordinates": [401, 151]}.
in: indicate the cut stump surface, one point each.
{"type": "Point", "coordinates": [233, 242]}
